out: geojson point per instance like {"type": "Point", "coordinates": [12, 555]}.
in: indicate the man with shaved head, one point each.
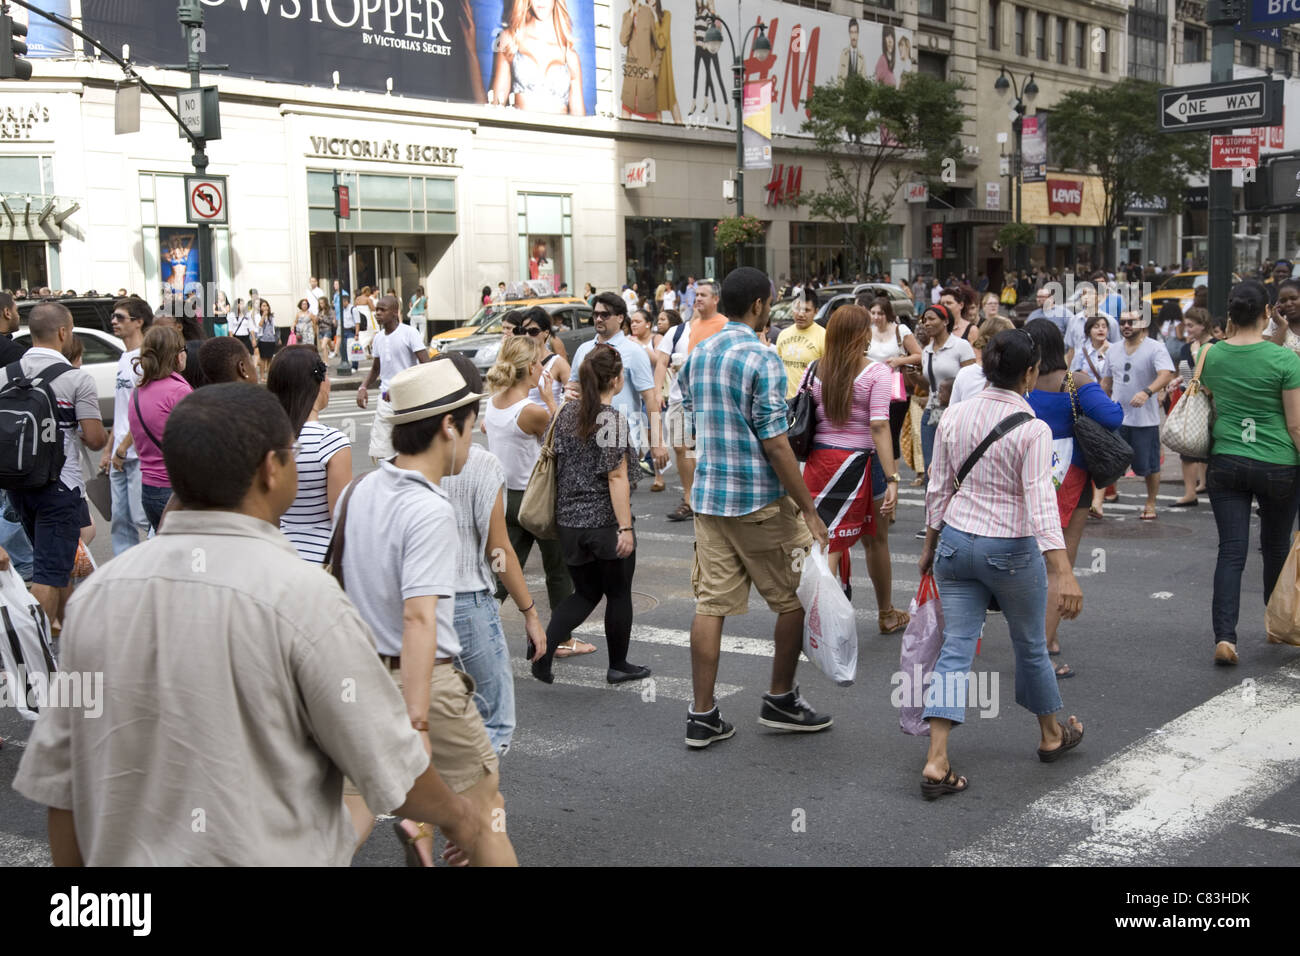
{"type": "Point", "coordinates": [395, 347]}
{"type": "Point", "coordinates": [53, 516]}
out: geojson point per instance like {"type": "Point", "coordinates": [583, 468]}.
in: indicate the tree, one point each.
{"type": "Point", "coordinates": [1114, 132]}
{"type": "Point", "coordinates": [865, 128]}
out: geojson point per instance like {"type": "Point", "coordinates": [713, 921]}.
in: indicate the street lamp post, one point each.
{"type": "Point", "coordinates": [762, 48]}
{"type": "Point", "coordinates": [1006, 82]}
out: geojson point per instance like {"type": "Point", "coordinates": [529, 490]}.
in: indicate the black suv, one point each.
{"type": "Point", "coordinates": [88, 312]}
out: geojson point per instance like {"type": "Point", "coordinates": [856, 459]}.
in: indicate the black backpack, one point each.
{"type": "Point", "coordinates": [31, 441]}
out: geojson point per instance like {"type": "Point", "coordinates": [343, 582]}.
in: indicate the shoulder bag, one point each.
{"type": "Point", "coordinates": [1188, 428]}
{"type": "Point", "coordinates": [333, 562]}
{"type": "Point", "coordinates": [1106, 455]}
{"type": "Point", "coordinates": [802, 416]}
{"type": "Point", "coordinates": [537, 507]}
{"type": "Point", "coordinates": [1004, 427]}
{"type": "Point", "coordinates": [898, 382]}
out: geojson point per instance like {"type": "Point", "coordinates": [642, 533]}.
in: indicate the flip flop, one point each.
{"type": "Point", "coordinates": [1147, 515]}
{"type": "Point", "coordinates": [1069, 740]}
{"type": "Point", "coordinates": [1094, 514]}
{"type": "Point", "coordinates": [1053, 653]}
{"type": "Point", "coordinates": [1069, 672]}
{"type": "Point", "coordinates": [951, 783]}
{"type": "Point", "coordinates": [574, 648]}
{"type": "Point", "coordinates": [408, 843]}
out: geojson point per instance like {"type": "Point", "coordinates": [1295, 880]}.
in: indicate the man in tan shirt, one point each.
{"type": "Point", "coordinates": [240, 685]}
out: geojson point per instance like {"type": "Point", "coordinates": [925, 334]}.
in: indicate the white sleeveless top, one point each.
{"type": "Point", "coordinates": [516, 449]}
{"type": "Point", "coordinates": [883, 349]}
{"type": "Point", "coordinates": [557, 387]}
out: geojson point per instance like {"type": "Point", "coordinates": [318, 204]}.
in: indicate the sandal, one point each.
{"type": "Point", "coordinates": [1148, 514]}
{"type": "Point", "coordinates": [574, 648]}
{"type": "Point", "coordinates": [918, 481]}
{"type": "Point", "coordinates": [1064, 672]}
{"type": "Point", "coordinates": [951, 783]}
{"type": "Point", "coordinates": [892, 620]}
{"type": "Point", "coordinates": [1070, 737]}
{"type": "Point", "coordinates": [423, 832]}
{"type": "Point", "coordinates": [1095, 514]}
{"type": "Point", "coordinates": [658, 485]}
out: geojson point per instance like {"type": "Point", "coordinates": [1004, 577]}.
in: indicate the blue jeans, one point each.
{"type": "Point", "coordinates": [14, 539]}
{"type": "Point", "coordinates": [485, 657]}
{"type": "Point", "coordinates": [927, 439]}
{"type": "Point", "coordinates": [968, 569]}
{"type": "Point", "coordinates": [346, 336]}
{"type": "Point", "coordinates": [1233, 482]}
{"type": "Point", "coordinates": [130, 523]}
{"type": "Point", "coordinates": [155, 501]}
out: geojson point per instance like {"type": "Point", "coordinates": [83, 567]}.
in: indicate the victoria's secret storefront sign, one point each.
{"type": "Point", "coordinates": [382, 150]}
{"type": "Point", "coordinates": [21, 122]}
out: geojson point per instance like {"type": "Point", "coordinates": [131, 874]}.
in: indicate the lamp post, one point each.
{"type": "Point", "coordinates": [762, 48]}
{"type": "Point", "coordinates": [1006, 82]}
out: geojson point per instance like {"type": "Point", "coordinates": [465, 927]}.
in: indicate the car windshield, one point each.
{"type": "Point", "coordinates": [481, 316]}
{"type": "Point", "coordinates": [784, 310]}
{"type": "Point", "coordinates": [1184, 281]}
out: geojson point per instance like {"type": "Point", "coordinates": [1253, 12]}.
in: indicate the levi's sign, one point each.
{"type": "Point", "coordinates": [1064, 196]}
{"type": "Point", "coordinates": [1255, 102]}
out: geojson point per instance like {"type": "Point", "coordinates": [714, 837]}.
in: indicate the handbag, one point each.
{"type": "Point", "coordinates": [537, 507]}
{"type": "Point", "coordinates": [1106, 455]}
{"type": "Point", "coordinates": [1188, 428]}
{"type": "Point", "coordinates": [802, 416]}
{"type": "Point", "coordinates": [293, 337]}
{"type": "Point", "coordinates": [26, 653]}
{"type": "Point", "coordinates": [898, 383]}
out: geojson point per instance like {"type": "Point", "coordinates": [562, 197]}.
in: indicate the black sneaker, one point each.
{"type": "Point", "coordinates": [704, 729]}
{"type": "Point", "coordinates": [791, 712]}
{"type": "Point", "coordinates": [683, 513]}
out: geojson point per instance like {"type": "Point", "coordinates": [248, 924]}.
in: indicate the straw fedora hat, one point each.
{"type": "Point", "coordinates": [423, 391]}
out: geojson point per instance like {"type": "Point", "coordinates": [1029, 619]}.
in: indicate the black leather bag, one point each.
{"type": "Point", "coordinates": [802, 416]}
{"type": "Point", "coordinates": [1106, 455]}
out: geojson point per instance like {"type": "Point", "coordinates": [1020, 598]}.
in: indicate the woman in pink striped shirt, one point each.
{"type": "Point", "coordinates": [851, 470]}
{"type": "Point", "coordinates": [996, 533]}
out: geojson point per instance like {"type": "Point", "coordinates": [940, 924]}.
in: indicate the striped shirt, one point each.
{"type": "Point", "coordinates": [870, 404]}
{"type": "Point", "coordinates": [308, 523]}
{"type": "Point", "coordinates": [734, 387]}
{"type": "Point", "coordinates": [473, 494]}
{"type": "Point", "coordinates": [1009, 492]}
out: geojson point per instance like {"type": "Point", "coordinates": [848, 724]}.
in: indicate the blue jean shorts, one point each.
{"type": "Point", "coordinates": [52, 517]}
{"type": "Point", "coordinates": [1145, 442]}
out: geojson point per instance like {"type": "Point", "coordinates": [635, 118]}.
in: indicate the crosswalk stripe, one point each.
{"type": "Point", "coordinates": [673, 688]}
{"type": "Point", "coordinates": [752, 646]}
{"type": "Point", "coordinates": [1272, 826]}
{"type": "Point", "coordinates": [1162, 797]}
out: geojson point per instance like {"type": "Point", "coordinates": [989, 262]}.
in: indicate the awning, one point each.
{"type": "Point", "coordinates": [34, 218]}
{"type": "Point", "coordinates": [968, 216]}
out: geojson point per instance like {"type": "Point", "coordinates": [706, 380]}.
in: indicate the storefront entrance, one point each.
{"type": "Point", "coordinates": [23, 265]}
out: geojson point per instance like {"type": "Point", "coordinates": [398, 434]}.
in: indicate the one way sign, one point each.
{"type": "Point", "coordinates": [1221, 105]}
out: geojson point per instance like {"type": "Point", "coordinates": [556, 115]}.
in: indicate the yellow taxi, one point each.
{"type": "Point", "coordinates": [487, 320]}
{"type": "Point", "coordinates": [1181, 288]}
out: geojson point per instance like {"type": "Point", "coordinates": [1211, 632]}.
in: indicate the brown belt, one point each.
{"type": "Point", "coordinates": [394, 662]}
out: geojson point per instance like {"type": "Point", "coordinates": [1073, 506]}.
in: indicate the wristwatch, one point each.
{"type": "Point", "coordinates": [894, 478]}
{"type": "Point", "coordinates": [1149, 392]}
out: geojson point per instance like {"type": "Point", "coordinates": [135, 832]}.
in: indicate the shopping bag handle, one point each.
{"type": "Point", "coordinates": [927, 589]}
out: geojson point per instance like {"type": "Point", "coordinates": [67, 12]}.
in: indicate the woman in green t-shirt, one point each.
{"type": "Point", "coordinates": [1256, 389]}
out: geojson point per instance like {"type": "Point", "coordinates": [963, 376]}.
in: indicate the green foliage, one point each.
{"type": "Point", "coordinates": [1016, 234]}
{"type": "Point", "coordinates": [863, 128]}
{"type": "Point", "coordinates": [736, 231]}
{"type": "Point", "coordinates": [1114, 132]}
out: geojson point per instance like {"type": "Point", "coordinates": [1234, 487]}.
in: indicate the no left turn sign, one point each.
{"type": "Point", "coordinates": [206, 200]}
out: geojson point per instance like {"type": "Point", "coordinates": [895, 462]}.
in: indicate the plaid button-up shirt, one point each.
{"type": "Point", "coordinates": [733, 388]}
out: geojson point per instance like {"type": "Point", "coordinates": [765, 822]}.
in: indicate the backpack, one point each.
{"type": "Point", "coordinates": [31, 442]}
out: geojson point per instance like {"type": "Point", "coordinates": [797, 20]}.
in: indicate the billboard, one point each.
{"type": "Point", "coordinates": [1033, 149]}
{"type": "Point", "coordinates": [533, 55]}
{"type": "Point", "coordinates": [45, 38]}
{"type": "Point", "coordinates": [663, 72]}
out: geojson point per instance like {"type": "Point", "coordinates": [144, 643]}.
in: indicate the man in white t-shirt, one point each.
{"type": "Point", "coordinates": [395, 347]}
{"type": "Point", "coordinates": [131, 317]}
{"type": "Point", "coordinates": [314, 294]}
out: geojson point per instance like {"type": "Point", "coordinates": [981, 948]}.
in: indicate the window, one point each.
{"type": "Point", "coordinates": [869, 6]}
{"type": "Point", "coordinates": [1060, 40]}
{"type": "Point", "coordinates": [934, 9]}
{"type": "Point", "coordinates": [96, 351]}
{"type": "Point", "coordinates": [995, 25]}
{"type": "Point", "coordinates": [1193, 45]}
{"type": "Point", "coordinates": [1249, 54]}
{"type": "Point", "coordinates": [410, 204]}
{"type": "Point", "coordinates": [1080, 45]}
{"type": "Point", "coordinates": [1020, 32]}
{"type": "Point", "coordinates": [545, 238]}
{"type": "Point", "coordinates": [815, 4]}
{"type": "Point", "coordinates": [1148, 35]}
{"type": "Point", "coordinates": [1040, 35]}
{"type": "Point", "coordinates": [1282, 61]}
{"type": "Point", "coordinates": [1103, 34]}
{"type": "Point", "coordinates": [935, 64]}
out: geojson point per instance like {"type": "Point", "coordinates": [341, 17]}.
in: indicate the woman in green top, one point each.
{"type": "Point", "coordinates": [1256, 389]}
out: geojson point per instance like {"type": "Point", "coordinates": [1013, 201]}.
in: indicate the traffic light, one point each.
{"type": "Point", "coordinates": [12, 48]}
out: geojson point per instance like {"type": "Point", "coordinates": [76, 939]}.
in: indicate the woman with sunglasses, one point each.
{"type": "Point", "coordinates": [299, 379]}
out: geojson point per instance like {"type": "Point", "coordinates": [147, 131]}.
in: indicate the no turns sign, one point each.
{"type": "Point", "coordinates": [206, 199]}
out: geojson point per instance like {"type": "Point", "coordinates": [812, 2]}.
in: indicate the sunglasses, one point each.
{"type": "Point", "coordinates": [531, 330]}
{"type": "Point", "coordinates": [601, 313]}
{"type": "Point", "coordinates": [1128, 367]}
{"type": "Point", "coordinates": [1124, 322]}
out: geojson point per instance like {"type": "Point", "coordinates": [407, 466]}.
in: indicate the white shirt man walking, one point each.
{"type": "Point", "coordinates": [395, 347]}
{"type": "Point", "coordinates": [131, 318]}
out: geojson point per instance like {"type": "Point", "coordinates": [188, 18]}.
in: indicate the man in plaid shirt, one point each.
{"type": "Point", "coordinates": [748, 497]}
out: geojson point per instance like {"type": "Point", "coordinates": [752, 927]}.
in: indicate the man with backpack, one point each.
{"type": "Point", "coordinates": [42, 471]}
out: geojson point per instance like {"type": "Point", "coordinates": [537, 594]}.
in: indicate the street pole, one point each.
{"type": "Point", "coordinates": [338, 248]}
{"type": "Point", "coordinates": [1221, 16]}
{"type": "Point", "coordinates": [738, 71]}
{"type": "Point", "coordinates": [191, 17]}
{"type": "Point", "coordinates": [1018, 172]}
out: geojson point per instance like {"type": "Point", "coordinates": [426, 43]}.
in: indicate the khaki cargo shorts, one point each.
{"type": "Point", "coordinates": [762, 548]}
{"type": "Point", "coordinates": [462, 753]}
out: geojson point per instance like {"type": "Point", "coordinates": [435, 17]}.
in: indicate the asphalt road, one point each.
{"type": "Point", "coordinates": [1182, 763]}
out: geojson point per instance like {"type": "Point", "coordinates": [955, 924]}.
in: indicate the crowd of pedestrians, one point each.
{"type": "Point", "coordinates": [236, 483]}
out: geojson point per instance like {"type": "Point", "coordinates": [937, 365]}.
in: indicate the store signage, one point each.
{"type": "Point", "coordinates": [1271, 137]}
{"type": "Point", "coordinates": [1157, 204]}
{"type": "Point", "coordinates": [918, 192]}
{"type": "Point", "coordinates": [1270, 13]}
{"type": "Point", "coordinates": [784, 186]}
{"type": "Point", "coordinates": [21, 122]}
{"type": "Point", "coordinates": [639, 175]}
{"type": "Point", "coordinates": [1234, 152]}
{"type": "Point", "coordinates": [936, 240]}
{"type": "Point", "coordinates": [382, 150]}
{"type": "Point", "coordinates": [992, 195]}
{"type": "Point", "coordinates": [1064, 196]}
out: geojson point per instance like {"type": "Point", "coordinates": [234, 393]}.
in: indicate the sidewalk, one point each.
{"type": "Point", "coordinates": [348, 383]}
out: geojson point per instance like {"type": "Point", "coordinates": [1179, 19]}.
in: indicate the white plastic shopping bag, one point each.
{"type": "Point", "coordinates": [922, 642]}
{"type": "Point", "coordinates": [25, 650]}
{"type": "Point", "coordinates": [356, 351]}
{"type": "Point", "coordinates": [830, 627]}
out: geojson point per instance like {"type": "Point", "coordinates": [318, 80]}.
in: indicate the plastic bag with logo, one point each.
{"type": "Point", "coordinates": [830, 626]}
{"type": "Point", "coordinates": [922, 642]}
{"type": "Point", "coordinates": [26, 655]}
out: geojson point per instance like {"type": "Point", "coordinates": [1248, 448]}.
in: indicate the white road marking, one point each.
{"type": "Point", "coordinates": [1272, 826]}
{"type": "Point", "coordinates": [20, 851]}
{"type": "Point", "coordinates": [533, 743]}
{"type": "Point", "coordinates": [751, 646]}
{"type": "Point", "coordinates": [672, 688]}
{"type": "Point", "coordinates": [1166, 794]}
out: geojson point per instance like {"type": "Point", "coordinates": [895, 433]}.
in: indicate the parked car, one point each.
{"type": "Point", "coordinates": [101, 352]}
{"type": "Point", "coordinates": [88, 312]}
{"type": "Point", "coordinates": [487, 319]}
{"type": "Point", "coordinates": [898, 298]}
{"type": "Point", "coordinates": [485, 343]}
{"type": "Point", "coordinates": [1181, 288]}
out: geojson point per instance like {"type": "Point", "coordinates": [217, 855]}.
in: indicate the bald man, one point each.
{"type": "Point", "coordinates": [395, 347]}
